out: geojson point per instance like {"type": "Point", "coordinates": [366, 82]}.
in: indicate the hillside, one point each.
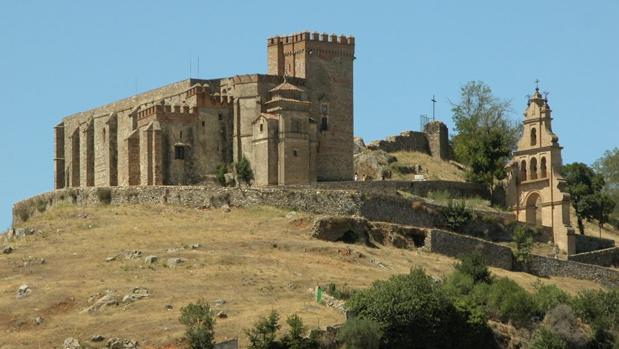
{"type": "Point", "coordinates": [254, 259]}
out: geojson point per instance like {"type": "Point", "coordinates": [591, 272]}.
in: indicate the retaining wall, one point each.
{"type": "Point", "coordinates": [607, 257]}
{"type": "Point", "coordinates": [586, 243]}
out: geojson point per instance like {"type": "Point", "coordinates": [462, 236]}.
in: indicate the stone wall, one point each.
{"type": "Point", "coordinates": [546, 266]}
{"type": "Point", "coordinates": [456, 245]}
{"type": "Point", "coordinates": [586, 243]}
{"type": "Point", "coordinates": [607, 257]}
{"type": "Point", "coordinates": [405, 141]}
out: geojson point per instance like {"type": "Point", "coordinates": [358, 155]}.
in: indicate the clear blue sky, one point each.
{"type": "Point", "coordinates": [60, 57]}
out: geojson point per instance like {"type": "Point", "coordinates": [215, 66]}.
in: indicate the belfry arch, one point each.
{"type": "Point", "coordinates": [534, 190]}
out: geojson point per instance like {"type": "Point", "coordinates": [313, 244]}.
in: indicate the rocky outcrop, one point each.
{"type": "Point", "coordinates": [358, 145]}
{"type": "Point", "coordinates": [373, 165]}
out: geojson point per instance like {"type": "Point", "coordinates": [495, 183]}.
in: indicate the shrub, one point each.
{"type": "Point", "coordinates": [598, 308]}
{"type": "Point", "coordinates": [547, 297]}
{"type": "Point", "coordinates": [360, 333]}
{"type": "Point", "coordinates": [562, 322]}
{"type": "Point", "coordinates": [439, 195]}
{"type": "Point", "coordinates": [415, 312]}
{"type": "Point", "coordinates": [262, 335]}
{"type": "Point", "coordinates": [475, 266]}
{"type": "Point", "coordinates": [507, 301]}
{"type": "Point", "coordinates": [342, 293]}
{"type": "Point", "coordinates": [104, 195]}
{"type": "Point", "coordinates": [198, 320]}
{"type": "Point", "coordinates": [456, 215]}
{"type": "Point", "coordinates": [523, 238]}
{"type": "Point", "coordinates": [544, 339]}
{"type": "Point", "coordinates": [243, 170]}
{"type": "Point", "coordinates": [220, 174]}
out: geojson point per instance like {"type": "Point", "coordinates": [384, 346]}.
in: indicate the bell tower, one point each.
{"type": "Point", "coordinates": [536, 189]}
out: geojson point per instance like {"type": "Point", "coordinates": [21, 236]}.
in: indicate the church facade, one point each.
{"type": "Point", "coordinates": [536, 191]}
{"type": "Point", "coordinates": [294, 124]}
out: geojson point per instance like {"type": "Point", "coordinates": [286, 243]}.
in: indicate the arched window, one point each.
{"type": "Point", "coordinates": [523, 171]}
{"type": "Point", "coordinates": [103, 133]}
{"type": "Point", "coordinates": [261, 127]}
{"type": "Point", "coordinates": [179, 152]}
{"type": "Point", "coordinates": [533, 136]}
{"type": "Point", "coordinates": [543, 168]}
{"type": "Point", "coordinates": [533, 170]}
{"type": "Point", "coordinates": [324, 124]}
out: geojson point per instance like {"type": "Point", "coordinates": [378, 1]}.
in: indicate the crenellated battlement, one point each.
{"type": "Point", "coordinates": [315, 36]}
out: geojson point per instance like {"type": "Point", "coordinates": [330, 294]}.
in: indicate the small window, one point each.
{"type": "Point", "coordinates": [103, 132]}
{"type": "Point", "coordinates": [324, 108]}
{"type": "Point", "coordinates": [261, 128]}
{"type": "Point", "coordinates": [181, 134]}
{"type": "Point", "coordinates": [523, 171]}
{"type": "Point", "coordinates": [203, 124]}
{"type": "Point", "coordinates": [179, 152]}
{"type": "Point", "coordinates": [220, 116]}
{"type": "Point", "coordinates": [533, 136]}
{"type": "Point", "coordinates": [324, 124]}
{"type": "Point", "coordinates": [543, 168]}
{"type": "Point", "coordinates": [295, 153]}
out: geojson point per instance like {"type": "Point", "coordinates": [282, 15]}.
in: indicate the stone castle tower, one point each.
{"type": "Point", "coordinates": [294, 124]}
{"type": "Point", "coordinates": [536, 189]}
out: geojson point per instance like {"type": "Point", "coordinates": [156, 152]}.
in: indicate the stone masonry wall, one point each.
{"type": "Point", "coordinates": [586, 243]}
{"type": "Point", "coordinates": [405, 141]}
{"type": "Point", "coordinates": [607, 257]}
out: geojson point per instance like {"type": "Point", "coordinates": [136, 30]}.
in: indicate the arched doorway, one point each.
{"type": "Point", "coordinates": [534, 209]}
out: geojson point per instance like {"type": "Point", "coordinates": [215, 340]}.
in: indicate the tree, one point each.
{"type": "Point", "coordinates": [485, 136]}
{"type": "Point", "coordinates": [262, 336]}
{"type": "Point", "coordinates": [599, 206]}
{"type": "Point", "coordinates": [198, 320]}
{"type": "Point", "coordinates": [582, 181]}
{"type": "Point", "coordinates": [360, 333]}
{"type": "Point", "coordinates": [608, 167]}
{"type": "Point", "coordinates": [523, 238]}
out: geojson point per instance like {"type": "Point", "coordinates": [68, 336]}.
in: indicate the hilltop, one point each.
{"type": "Point", "coordinates": [244, 261]}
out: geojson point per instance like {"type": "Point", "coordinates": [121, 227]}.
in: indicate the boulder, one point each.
{"type": "Point", "coordinates": [97, 338]}
{"type": "Point", "coordinates": [225, 208]}
{"type": "Point", "coordinates": [358, 145]}
{"type": "Point", "coordinates": [151, 259]}
{"type": "Point", "coordinates": [21, 232]}
{"type": "Point", "coordinates": [174, 262]}
{"type": "Point", "coordinates": [229, 179]}
{"type": "Point", "coordinates": [7, 249]}
{"type": "Point", "coordinates": [121, 343]}
{"type": "Point", "coordinates": [23, 291]}
{"type": "Point", "coordinates": [71, 343]}
{"type": "Point", "coordinates": [222, 315]}
{"type": "Point", "coordinates": [136, 294]}
{"type": "Point", "coordinates": [373, 164]}
{"type": "Point", "coordinates": [195, 246]}
{"type": "Point", "coordinates": [38, 320]}
{"type": "Point", "coordinates": [101, 302]}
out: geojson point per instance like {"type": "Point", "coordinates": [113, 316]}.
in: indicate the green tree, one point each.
{"type": "Point", "coordinates": [360, 333]}
{"type": "Point", "coordinates": [544, 339]}
{"type": "Point", "coordinates": [485, 135]}
{"type": "Point", "coordinates": [582, 181]}
{"type": "Point", "coordinates": [198, 320]}
{"type": "Point", "coordinates": [608, 167]}
{"type": "Point", "coordinates": [523, 238]}
{"type": "Point", "coordinates": [243, 170]}
{"type": "Point", "coordinates": [599, 206]}
{"type": "Point", "coordinates": [475, 266]}
{"type": "Point", "coordinates": [263, 334]}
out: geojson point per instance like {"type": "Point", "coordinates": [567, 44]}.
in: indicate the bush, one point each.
{"type": "Point", "coordinates": [342, 293]}
{"type": "Point", "coordinates": [562, 322]}
{"type": "Point", "coordinates": [295, 339]}
{"type": "Point", "coordinates": [523, 238]}
{"type": "Point", "coordinates": [547, 297]}
{"type": "Point", "coordinates": [456, 215]}
{"type": "Point", "coordinates": [104, 195]}
{"type": "Point", "coordinates": [475, 266]}
{"type": "Point", "coordinates": [243, 170]}
{"type": "Point", "coordinates": [415, 312]}
{"type": "Point", "coordinates": [439, 195]}
{"type": "Point", "coordinates": [220, 174]}
{"type": "Point", "coordinates": [545, 339]}
{"type": "Point", "coordinates": [507, 301]}
{"type": "Point", "coordinates": [598, 308]}
{"type": "Point", "coordinates": [360, 333]}
{"type": "Point", "coordinates": [262, 336]}
{"type": "Point", "coordinates": [198, 320]}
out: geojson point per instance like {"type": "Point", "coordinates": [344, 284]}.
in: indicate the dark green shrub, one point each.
{"type": "Point", "coordinates": [598, 308]}
{"type": "Point", "coordinates": [220, 174]}
{"type": "Point", "coordinates": [263, 334]}
{"type": "Point", "coordinates": [415, 312]}
{"type": "Point", "coordinates": [342, 293]}
{"type": "Point", "coordinates": [243, 170]}
{"type": "Point", "coordinates": [475, 266]}
{"type": "Point", "coordinates": [104, 195]}
{"type": "Point", "coordinates": [547, 297]}
{"type": "Point", "coordinates": [507, 301]}
{"type": "Point", "coordinates": [456, 215]}
{"type": "Point", "coordinates": [360, 333]}
{"type": "Point", "coordinates": [544, 339]}
{"type": "Point", "coordinates": [198, 320]}
{"type": "Point", "coordinates": [41, 205]}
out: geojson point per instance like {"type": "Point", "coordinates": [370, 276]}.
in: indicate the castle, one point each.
{"type": "Point", "coordinates": [294, 124]}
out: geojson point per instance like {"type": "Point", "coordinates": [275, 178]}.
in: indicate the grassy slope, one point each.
{"type": "Point", "coordinates": [256, 259]}
{"type": "Point", "coordinates": [435, 169]}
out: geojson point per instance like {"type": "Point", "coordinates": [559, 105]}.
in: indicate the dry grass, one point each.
{"type": "Point", "coordinates": [255, 259]}
{"type": "Point", "coordinates": [436, 169]}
